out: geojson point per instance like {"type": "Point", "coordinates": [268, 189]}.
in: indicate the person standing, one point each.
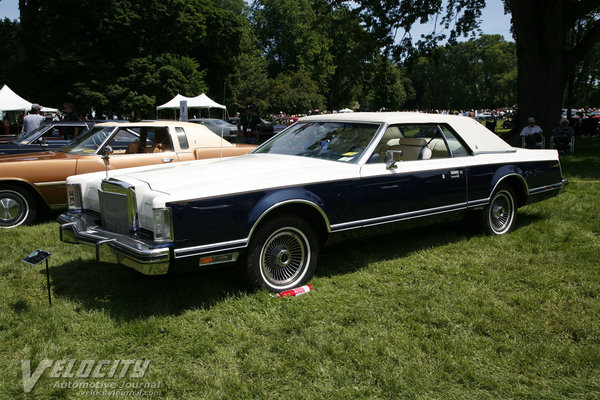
{"type": "Point", "coordinates": [249, 126]}
{"type": "Point", "coordinates": [532, 133]}
{"type": "Point", "coordinates": [69, 114]}
{"type": "Point", "coordinates": [6, 127]}
{"type": "Point", "coordinates": [33, 120]}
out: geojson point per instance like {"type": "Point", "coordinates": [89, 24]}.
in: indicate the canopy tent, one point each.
{"type": "Point", "coordinates": [200, 101]}
{"type": "Point", "coordinates": [10, 101]}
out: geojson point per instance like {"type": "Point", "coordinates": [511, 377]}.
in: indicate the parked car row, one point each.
{"type": "Point", "coordinates": [271, 211]}
{"type": "Point", "coordinates": [34, 182]}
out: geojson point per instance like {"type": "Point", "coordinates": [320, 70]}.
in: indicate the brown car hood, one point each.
{"type": "Point", "coordinates": [43, 155]}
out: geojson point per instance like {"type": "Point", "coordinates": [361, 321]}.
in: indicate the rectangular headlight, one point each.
{"type": "Point", "coordinates": [74, 197]}
{"type": "Point", "coordinates": [163, 228]}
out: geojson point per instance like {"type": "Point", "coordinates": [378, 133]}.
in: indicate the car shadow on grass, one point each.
{"type": "Point", "coordinates": [360, 248]}
{"type": "Point", "coordinates": [126, 294]}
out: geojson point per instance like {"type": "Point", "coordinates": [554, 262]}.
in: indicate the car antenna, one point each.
{"type": "Point", "coordinates": [106, 158]}
{"type": "Point", "coordinates": [221, 155]}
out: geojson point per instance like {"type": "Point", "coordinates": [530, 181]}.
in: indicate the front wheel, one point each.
{"type": "Point", "coordinates": [17, 207]}
{"type": "Point", "coordinates": [282, 254]}
{"type": "Point", "coordinates": [500, 215]}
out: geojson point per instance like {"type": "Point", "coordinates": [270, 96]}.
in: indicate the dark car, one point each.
{"type": "Point", "coordinates": [48, 136]}
{"type": "Point", "coordinates": [271, 129]}
{"type": "Point", "coordinates": [218, 126]}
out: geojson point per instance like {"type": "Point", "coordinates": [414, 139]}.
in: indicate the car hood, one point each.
{"type": "Point", "coordinates": [43, 155]}
{"type": "Point", "coordinates": [198, 179]}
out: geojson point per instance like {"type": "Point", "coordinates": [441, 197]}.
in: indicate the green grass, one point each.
{"type": "Point", "coordinates": [441, 313]}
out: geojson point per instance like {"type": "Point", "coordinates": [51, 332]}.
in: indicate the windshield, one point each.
{"type": "Point", "coordinates": [26, 138]}
{"type": "Point", "coordinates": [339, 141]}
{"type": "Point", "coordinates": [89, 142]}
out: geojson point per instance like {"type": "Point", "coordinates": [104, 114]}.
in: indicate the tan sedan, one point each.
{"type": "Point", "coordinates": [35, 182]}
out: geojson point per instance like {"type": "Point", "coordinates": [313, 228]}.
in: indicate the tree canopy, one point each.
{"type": "Point", "coordinates": [125, 57]}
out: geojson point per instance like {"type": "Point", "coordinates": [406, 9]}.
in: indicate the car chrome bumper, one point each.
{"type": "Point", "coordinates": [78, 227]}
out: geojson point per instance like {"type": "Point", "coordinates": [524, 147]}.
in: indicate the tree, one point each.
{"type": "Point", "coordinates": [296, 93]}
{"type": "Point", "coordinates": [385, 86]}
{"type": "Point", "coordinates": [249, 82]}
{"type": "Point", "coordinates": [479, 73]}
{"type": "Point", "coordinates": [541, 28]}
{"type": "Point", "coordinates": [545, 56]}
{"type": "Point", "coordinates": [293, 37]}
{"type": "Point", "coordinates": [89, 49]}
{"type": "Point", "coordinates": [9, 48]}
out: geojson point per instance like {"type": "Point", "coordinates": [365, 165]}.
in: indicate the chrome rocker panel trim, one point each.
{"type": "Point", "coordinates": [111, 247]}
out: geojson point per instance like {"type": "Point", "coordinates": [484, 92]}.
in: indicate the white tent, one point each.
{"type": "Point", "coordinates": [201, 101]}
{"type": "Point", "coordinates": [10, 101]}
{"type": "Point", "coordinates": [174, 102]}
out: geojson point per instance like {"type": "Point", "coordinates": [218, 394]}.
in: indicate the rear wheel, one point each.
{"type": "Point", "coordinates": [500, 215]}
{"type": "Point", "coordinates": [17, 207]}
{"type": "Point", "coordinates": [282, 254]}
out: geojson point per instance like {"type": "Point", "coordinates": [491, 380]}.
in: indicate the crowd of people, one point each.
{"type": "Point", "coordinates": [35, 118]}
{"type": "Point", "coordinates": [250, 125]}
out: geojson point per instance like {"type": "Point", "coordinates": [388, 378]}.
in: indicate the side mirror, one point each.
{"type": "Point", "coordinates": [391, 157]}
{"type": "Point", "coordinates": [43, 142]}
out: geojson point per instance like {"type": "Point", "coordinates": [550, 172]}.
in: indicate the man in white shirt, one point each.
{"type": "Point", "coordinates": [33, 120]}
{"type": "Point", "coordinates": [532, 133]}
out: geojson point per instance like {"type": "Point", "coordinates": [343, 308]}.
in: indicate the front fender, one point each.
{"type": "Point", "coordinates": [275, 200]}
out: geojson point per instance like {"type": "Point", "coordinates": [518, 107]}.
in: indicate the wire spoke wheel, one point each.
{"type": "Point", "coordinates": [284, 256]}
{"type": "Point", "coordinates": [282, 253]}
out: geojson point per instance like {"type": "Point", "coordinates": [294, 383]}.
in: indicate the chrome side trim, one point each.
{"type": "Point", "coordinates": [546, 188]}
{"type": "Point", "coordinates": [477, 203]}
{"type": "Point", "coordinates": [210, 248]}
{"type": "Point", "coordinates": [398, 217]}
{"type": "Point", "coordinates": [56, 183]}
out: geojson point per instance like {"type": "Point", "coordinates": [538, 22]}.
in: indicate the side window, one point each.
{"type": "Point", "coordinates": [161, 141]}
{"type": "Point", "coordinates": [416, 142]}
{"type": "Point", "coordinates": [122, 140]}
{"type": "Point", "coordinates": [456, 147]}
{"type": "Point", "coordinates": [51, 133]}
{"type": "Point", "coordinates": [391, 136]}
{"type": "Point", "coordinates": [182, 138]}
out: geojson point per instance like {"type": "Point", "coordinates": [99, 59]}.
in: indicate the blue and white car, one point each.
{"type": "Point", "coordinates": [273, 209]}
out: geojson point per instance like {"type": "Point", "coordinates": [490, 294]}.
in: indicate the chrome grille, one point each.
{"type": "Point", "coordinates": [118, 207]}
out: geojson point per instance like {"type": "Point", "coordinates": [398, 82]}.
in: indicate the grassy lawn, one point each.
{"type": "Point", "coordinates": [443, 313]}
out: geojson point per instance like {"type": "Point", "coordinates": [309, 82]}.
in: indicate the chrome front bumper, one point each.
{"type": "Point", "coordinates": [78, 227]}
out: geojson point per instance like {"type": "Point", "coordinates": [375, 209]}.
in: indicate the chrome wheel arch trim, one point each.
{"type": "Point", "coordinates": [501, 180]}
{"type": "Point", "coordinates": [288, 202]}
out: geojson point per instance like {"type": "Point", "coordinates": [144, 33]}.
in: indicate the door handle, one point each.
{"type": "Point", "coordinates": [167, 160]}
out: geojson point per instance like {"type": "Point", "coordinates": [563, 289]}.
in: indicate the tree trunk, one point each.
{"type": "Point", "coordinates": [540, 32]}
